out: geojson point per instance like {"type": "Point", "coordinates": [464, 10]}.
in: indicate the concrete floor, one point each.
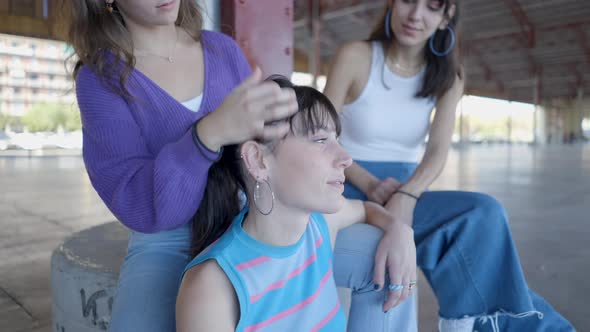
{"type": "Point", "coordinates": [545, 190]}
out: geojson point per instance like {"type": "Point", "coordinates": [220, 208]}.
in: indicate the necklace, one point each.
{"type": "Point", "coordinates": [411, 69]}
{"type": "Point", "coordinates": [408, 70]}
{"type": "Point", "coordinates": [170, 56]}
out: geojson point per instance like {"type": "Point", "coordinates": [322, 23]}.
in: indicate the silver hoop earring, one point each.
{"type": "Point", "coordinates": [258, 196]}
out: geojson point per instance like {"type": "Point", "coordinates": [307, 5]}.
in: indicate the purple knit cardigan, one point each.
{"type": "Point", "coordinates": [139, 153]}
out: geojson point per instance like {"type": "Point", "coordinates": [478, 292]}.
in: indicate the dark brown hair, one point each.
{"type": "Point", "coordinates": [441, 72]}
{"type": "Point", "coordinates": [96, 35]}
{"type": "Point", "coordinates": [226, 178]}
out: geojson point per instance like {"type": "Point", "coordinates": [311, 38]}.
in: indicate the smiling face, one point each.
{"type": "Point", "coordinates": [149, 12]}
{"type": "Point", "coordinates": [414, 21]}
{"type": "Point", "coordinates": [307, 170]}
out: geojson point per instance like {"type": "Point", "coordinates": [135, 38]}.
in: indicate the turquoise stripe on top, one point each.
{"type": "Point", "coordinates": [288, 288]}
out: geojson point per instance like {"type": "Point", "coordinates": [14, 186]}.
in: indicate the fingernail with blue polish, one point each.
{"type": "Point", "coordinates": [376, 287]}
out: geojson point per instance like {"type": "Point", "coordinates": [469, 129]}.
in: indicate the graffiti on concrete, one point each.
{"type": "Point", "coordinates": [89, 308]}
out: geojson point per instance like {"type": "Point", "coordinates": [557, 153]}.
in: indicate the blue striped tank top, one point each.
{"type": "Point", "coordinates": [280, 289]}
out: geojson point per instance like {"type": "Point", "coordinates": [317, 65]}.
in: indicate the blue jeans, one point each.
{"type": "Point", "coordinates": [149, 280]}
{"type": "Point", "coordinates": [465, 249]}
{"type": "Point", "coordinates": [459, 236]}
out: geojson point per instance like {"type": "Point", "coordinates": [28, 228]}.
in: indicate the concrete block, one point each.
{"type": "Point", "coordinates": [84, 274]}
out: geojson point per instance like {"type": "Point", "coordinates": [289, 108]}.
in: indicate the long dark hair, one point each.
{"type": "Point", "coordinates": [96, 35]}
{"type": "Point", "coordinates": [441, 72]}
{"type": "Point", "coordinates": [226, 178]}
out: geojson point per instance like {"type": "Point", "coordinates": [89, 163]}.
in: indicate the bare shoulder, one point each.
{"type": "Point", "coordinates": [206, 292]}
{"type": "Point", "coordinates": [356, 51]}
{"type": "Point", "coordinates": [349, 72]}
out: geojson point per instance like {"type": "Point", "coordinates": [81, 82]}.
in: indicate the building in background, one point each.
{"type": "Point", "coordinates": [32, 72]}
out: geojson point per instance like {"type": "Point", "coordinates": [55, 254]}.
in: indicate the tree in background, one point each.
{"type": "Point", "coordinates": [51, 116]}
{"type": "Point", "coordinates": [7, 120]}
{"type": "Point", "coordinates": [4, 120]}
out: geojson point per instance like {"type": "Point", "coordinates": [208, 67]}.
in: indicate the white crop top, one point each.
{"type": "Point", "coordinates": [386, 124]}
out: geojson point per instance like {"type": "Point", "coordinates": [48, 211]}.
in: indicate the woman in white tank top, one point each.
{"type": "Point", "coordinates": [386, 89]}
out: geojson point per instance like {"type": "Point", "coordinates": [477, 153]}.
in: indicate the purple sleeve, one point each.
{"type": "Point", "coordinates": [146, 191]}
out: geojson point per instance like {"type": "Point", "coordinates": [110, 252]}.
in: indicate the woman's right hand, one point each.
{"type": "Point", "coordinates": [248, 112]}
{"type": "Point", "coordinates": [380, 191]}
{"type": "Point", "coordinates": [395, 256]}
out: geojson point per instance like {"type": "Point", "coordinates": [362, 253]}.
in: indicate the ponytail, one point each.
{"type": "Point", "coordinates": [221, 202]}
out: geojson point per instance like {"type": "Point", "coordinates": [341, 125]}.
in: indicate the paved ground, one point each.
{"type": "Point", "coordinates": [44, 199]}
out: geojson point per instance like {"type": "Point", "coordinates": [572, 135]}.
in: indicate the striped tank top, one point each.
{"type": "Point", "coordinates": [282, 289]}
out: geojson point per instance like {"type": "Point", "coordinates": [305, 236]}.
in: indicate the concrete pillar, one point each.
{"type": "Point", "coordinates": [572, 123]}
{"type": "Point", "coordinates": [579, 114]}
{"type": "Point", "coordinates": [541, 124]}
{"type": "Point", "coordinates": [536, 88]}
{"type": "Point", "coordinates": [585, 113]}
{"type": "Point", "coordinates": [559, 125]}
{"type": "Point", "coordinates": [553, 123]}
{"type": "Point", "coordinates": [461, 122]}
{"type": "Point", "coordinates": [509, 128]}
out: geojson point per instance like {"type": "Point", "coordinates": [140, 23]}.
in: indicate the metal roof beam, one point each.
{"type": "Point", "coordinates": [527, 29]}
{"type": "Point", "coordinates": [517, 34]}
{"type": "Point", "coordinates": [579, 78]}
{"type": "Point", "coordinates": [363, 6]}
{"type": "Point", "coordinates": [583, 39]}
{"type": "Point", "coordinates": [489, 74]}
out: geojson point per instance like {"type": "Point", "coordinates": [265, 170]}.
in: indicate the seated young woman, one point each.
{"type": "Point", "coordinates": [267, 266]}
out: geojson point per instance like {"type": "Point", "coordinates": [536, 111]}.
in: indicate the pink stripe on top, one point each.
{"type": "Point", "coordinates": [326, 319]}
{"type": "Point", "coordinates": [319, 242]}
{"type": "Point", "coordinates": [281, 283]}
{"type": "Point", "coordinates": [252, 263]}
{"type": "Point", "coordinates": [293, 309]}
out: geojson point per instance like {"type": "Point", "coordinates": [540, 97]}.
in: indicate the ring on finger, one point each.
{"type": "Point", "coordinates": [395, 287]}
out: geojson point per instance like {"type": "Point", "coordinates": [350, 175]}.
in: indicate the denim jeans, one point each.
{"type": "Point", "coordinates": [465, 249]}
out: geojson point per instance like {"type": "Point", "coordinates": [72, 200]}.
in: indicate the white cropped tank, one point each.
{"type": "Point", "coordinates": [386, 122]}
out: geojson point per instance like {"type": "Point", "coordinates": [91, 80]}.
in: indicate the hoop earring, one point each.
{"type": "Point", "coordinates": [109, 6]}
{"type": "Point", "coordinates": [387, 26]}
{"type": "Point", "coordinates": [257, 197]}
{"type": "Point", "coordinates": [451, 43]}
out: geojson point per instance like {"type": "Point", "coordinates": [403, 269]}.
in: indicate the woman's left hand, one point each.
{"type": "Point", "coordinates": [396, 254]}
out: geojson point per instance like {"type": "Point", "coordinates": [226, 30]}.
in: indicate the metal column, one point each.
{"type": "Point", "coordinates": [536, 87]}
{"type": "Point", "coordinates": [264, 31]}
{"type": "Point", "coordinates": [314, 57]}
